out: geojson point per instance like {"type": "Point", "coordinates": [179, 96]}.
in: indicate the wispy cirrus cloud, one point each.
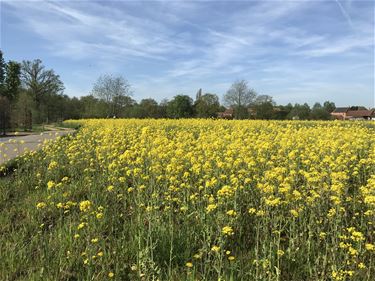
{"type": "Point", "coordinates": [168, 47]}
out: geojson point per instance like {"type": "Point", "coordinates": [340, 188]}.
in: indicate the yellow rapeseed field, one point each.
{"type": "Point", "coordinates": [195, 200]}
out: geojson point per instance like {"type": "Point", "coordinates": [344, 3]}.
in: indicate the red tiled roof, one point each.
{"type": "Point", "coordinates": [360, 113]}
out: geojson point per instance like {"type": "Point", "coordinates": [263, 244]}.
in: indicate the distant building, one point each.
{"type": "Point", "coordinates": [353, 113]}
{"type": "Point", "coordinates": [227, 114]}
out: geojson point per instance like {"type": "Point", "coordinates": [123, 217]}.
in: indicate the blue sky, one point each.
{"type": "Point", "coordinates": [295, 51]}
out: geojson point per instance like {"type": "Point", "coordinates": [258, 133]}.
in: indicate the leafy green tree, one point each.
{"type": "Point", "coordinates": [4, 114]}
{"type": "Point", "coordinates": [148, 108]}
{"type": "Point", "coordinates": [299, 111]}
{"type": "Point", "coordinates": [181, 106]}
{"type": "Point", "coordinates": [207, 105]}
{"type": "Point", "coordinates": [43, 84]}
{"type": "Point", "coordinates": [329, 106]}
{"type": "Point", "coordinates": [2, 73]}
{"type": "Point", "coordinates": [12, 80]}
{"type": "Point", "coordinates": [318, 112]}
{"type": "Point", "coordinates": [25, 106]}
{"type": "Point", "coordinates": [123, 105]}
{"type": "Point", "coordinates": [264, 107]}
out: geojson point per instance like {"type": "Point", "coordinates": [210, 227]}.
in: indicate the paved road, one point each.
{"type": "Point", "coordinates": [11, 147]}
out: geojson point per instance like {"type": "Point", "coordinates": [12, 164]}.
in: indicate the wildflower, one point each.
{"type": "Point", "coordinates": [81, 225]}
{"type": "Point", "coordinates": [231, 213]}
{"type": "Point", "coordinates": [189, 264]}
{"type": "Point", "coordinates": [294, 213]}
{"type": "Point", "coordinates": [211, 207]}
{"type": "Point", "coordinates": [231, 258]}
{"type": "Point", "coordinates": [41, 205]}
{"type": "Point", "coordinates": [111, 274]}
{"type": "Point", "coordinates": [369, 247]}
{"type": "Point", "coordinates": [227, 230]}
{"type": "Point", "coordinates": [94, 240]}
{"type": "Point", "coordinates": [215, 249]}
{"type": "Point", "coordinates": [85, 206]}
{"type": "Point", "coordinates": [252, 211]}
{"type": "Point", "coordinates": [110, 188]}
{"type": "Point", "coordinates": [50, 184]}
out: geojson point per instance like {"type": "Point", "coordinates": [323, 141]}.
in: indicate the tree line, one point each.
{"type": "Point", "coordinates": [32, 94]}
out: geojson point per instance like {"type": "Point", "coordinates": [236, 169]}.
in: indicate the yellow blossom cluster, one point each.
{"type": "Point", "coordinates": [213, 198]}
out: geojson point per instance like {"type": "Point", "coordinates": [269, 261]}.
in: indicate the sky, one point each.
{"type": "Point", "coordinates": [295, 51]}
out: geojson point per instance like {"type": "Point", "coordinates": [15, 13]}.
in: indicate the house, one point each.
{"type": "Point", "coordinates": [227, 114]}
{"type": "Point", "coordinates": [353, 113]}
{"type": "Point", "coordinates": [340, 113]}
{"type": "Point", "coordinates": [360, 114]}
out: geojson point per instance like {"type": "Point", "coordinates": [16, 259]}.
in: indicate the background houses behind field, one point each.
{"type": "Point", "coordinates": [353, 113]}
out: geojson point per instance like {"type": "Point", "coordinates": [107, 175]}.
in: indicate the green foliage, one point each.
{"type": "Point", "coordinates": [181, 106]}
{"type": "Point", "coordinates": [206, 105]}
{"type": "Point", "coordinates": [12, 80]}
{"type": "Point", "coordinates": [2, 72]}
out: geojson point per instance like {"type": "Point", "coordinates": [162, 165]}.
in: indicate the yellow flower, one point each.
{"type": "Point", "coordinates": [99, 215]}
{"type": "Point", "coordinates": [227, 230]}
{"type": "Point", "coordinates": [111, 274]}
{"type": "Point", "coordinates": [211, 207]}
{"type": "Point", "coordinates": [41, 205]}
{"type": "Point", "coordinates": [94, 240]}
{"type": "Point", "coordinates": [215, 248]}
{"type": "Point", "coordinates": [231, 258]}
{"type": "Point", "coordinates": [189, 264]}
{"type": "Point", "coordinates": [81, 225]}
{"type": "Point", "coordinates": [280, 253]}
{"type": "Point", "coordinates": [294, 213]}
{"type": "Point", "coordinates": [361, 265]}
{"type": "Point", "coordinates": [231, 213]}
{"type": "Point", "coordinates": [85, 206]}
{"type": "Point", "coordinates": [369, 247]}
{"type": "Point", "coordinates": [252, 211]}
{"type": "Point", "coordinates": [50, 184]}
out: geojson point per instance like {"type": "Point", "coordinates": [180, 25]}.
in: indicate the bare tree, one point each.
{"type": "Point", "coordinates": [39, 80]}
{"type": "Point", "coordinates": [111, 89]}
{"type": "Point", "coordinates": [240, 97]}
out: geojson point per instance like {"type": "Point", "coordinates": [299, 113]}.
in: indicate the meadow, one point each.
{"type": "Point", "coordinates": [193, 200]}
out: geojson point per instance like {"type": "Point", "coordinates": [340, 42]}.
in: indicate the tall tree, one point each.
{"type": "Point", "coordinates": [43, 84]}
{"type": "Point", "coordinates": [181, 106]}
{"type": "Point", "coordinates": [240, 97]}
{"type": "Point", "coordinates": [329, 106]}
{"type": "Point", "coordinates": [111, 90]}
{"type": "Point", "coordinates": [207, 105]}
{"type": "Point", "coordinates": [300, 112]}
{"type": "Point", "coordinates": [2, 73]}
{"type": "Point", "coordinates": [39, 80]}
{"type": "Point", "coordinates": [12, 80]}
{"type": "Point", "coordinates": [4, 114]}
